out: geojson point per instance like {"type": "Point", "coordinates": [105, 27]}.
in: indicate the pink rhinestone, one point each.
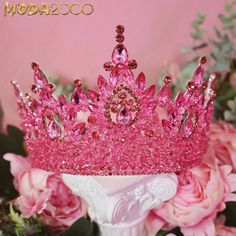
{"type": "Point", "coordinates": [132, 64]}
{"type": "Point", "coordinates": [150, 91]}
{"type": "Point", "coordinates": [141, 81]}
{"type": "Point", "coordinates": [179, 98]}
{"type": "Point", "coordinates": [92, 119]}
{"type": "Point", "coordinates": [108, 66]}
{"type": "Point", "coordinates": [102, 83]}
{"type": "Point", "coordinates": [95, 135]}
{"type": "Point", "coordinates": [190, 86]}
{"type": "Point", "coordinates": [62, 100]}
{"type": "Point", "coordinates": [54, 130]}
{"type": "Point", "coordinates": [167, 79]}
{"type": "Point", "coordinates": [120, 54]}
{"type": "Point", "coordinates": [124, 116]}
{"type": "Point", "coordinates": [122, 95]}
{"type": "Point", "coordinates": [77, 83]}
{"type": "Point", "coordinates": [94, 95]}
{"type": "Point", "coordinates": [148, 133]}
{"type": "Point", "coordinates": [51, 88]}
{"type": "Point", "coordinates": [166, 125]}
{"type": "Point", "coordinates": [120, 38]}
{"type": "Point", "coordinates": [120, 29]}
{"type": "Point", "coordinates": [79, 128]}
{"type": "Point", "coordinates": [204, 85]}
{"type": "Point", "coordinates": [165, 95]}
{"type": "Point", "coordinates": [188, 127]}
{"type": "Point", "coordinates": [75, 97]}
{"type": "Point", "coordinates": [34, 88]}
{"type": "Point", "coordinates": [203, 60]}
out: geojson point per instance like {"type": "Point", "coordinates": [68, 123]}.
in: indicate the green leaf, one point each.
{"type": "Point", "coordinates": [161, 233]}
{"type": "Point", "coordinates": [218, 32]}
{"type": "Point", "coordinates": [186, 49]}
{"type": "Point", "coordinates": [16, 217]}
{"type": "Point", "coordinates": [82, 227]}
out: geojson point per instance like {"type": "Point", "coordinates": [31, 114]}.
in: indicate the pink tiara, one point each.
{"type": "Point", "coordinates": [126, 132]}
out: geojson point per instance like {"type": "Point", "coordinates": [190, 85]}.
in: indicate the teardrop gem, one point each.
{"type": "Point", "coordinates": [71, 117]}
{"type": "Point", "coordinates": [102, 83]}
{"type": "Point", "coordinates": [40, 78]}
{"type": "Point", "coordinates": [179, 99]}
{"type": "Point", "coordinates": [113, 79]}
{"type": "Point", "coordinates": [150, 91]}
{"type": "Point", "coordinates": [62, 100]}
{"type": "Point", "coordinates": [124, 116]}
{"type": "Point", "coordinates": [94, 95]}
{"type": "Point", "coordinates": [152, 105]}
{"type": "Point", "coordinates": [164, 95]}
{"type": "Point", "coordinates": [120, 54]}
{"type": "Point", "coordinates": [198, 75]}
{"type": "Point", "coordinates": [141, 81]}
{"type": "Point", "coordinates": [78, 95]}
{"type": "Point", "coordinates": [75, 97]}
{"type": "Point", "coordinates": [54, 130]}
{"type": "Point", "coordinates": [188, 127]}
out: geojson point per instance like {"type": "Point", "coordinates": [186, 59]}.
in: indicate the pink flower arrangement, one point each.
{"type": "Point", "coordinates": [203, 191]}
{"type": "Point", "coordinates": [222, 230]}
{"type": "Point", "coordinates": [44, 194]}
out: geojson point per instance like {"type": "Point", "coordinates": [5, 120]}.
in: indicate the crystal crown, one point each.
{"type": "Point", "coordinates": [129, 129]}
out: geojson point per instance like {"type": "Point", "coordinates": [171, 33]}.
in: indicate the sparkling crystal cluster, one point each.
{"type": "Point", "coordinates": [129, 129]}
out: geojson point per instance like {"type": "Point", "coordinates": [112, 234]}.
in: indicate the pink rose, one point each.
{"type": "Point", "coordinates": [201, 194]}
{"type": "Point", "coordinates": [222, 230]}
{"type": "Point", "coordinates": [44, 194]}
{"type": "Point", "coordinates": [223, 138]}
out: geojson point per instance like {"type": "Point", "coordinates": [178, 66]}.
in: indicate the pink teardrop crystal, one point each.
{"type": "Point", "coordinates": [141, 81]}
{"type": "Point", "coordinates": [164, 95]}
{"type": "Point", "coordinates": [198, 75]}
{"type": "Point", "coordinates": [150, 91]}
{"type": "Point", "coordinates": [40, 78]}
{"type": "Point", "coordinates": [102, 83]}
{"type": "Point", "coordinates": [54, 130]}
{"type": "Point", "coordinates": [124, 116]}
{"type": "Point", "coordinates": [188, 127]}
{"type": "Point", "coordinates": [78, 95]}
{"type": "Point", "coordinates": [94, 95]}
{"type": "Point", "coordinates": [62, 100]}
{"type": "Point", "coordinates": [120, 54]}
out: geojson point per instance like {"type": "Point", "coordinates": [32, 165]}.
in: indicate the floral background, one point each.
{"type": "Point", "coordinates": [35, 202]}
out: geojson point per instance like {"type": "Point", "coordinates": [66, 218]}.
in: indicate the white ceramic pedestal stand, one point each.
{"type": "Point", "coordinates": [120, 204]}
